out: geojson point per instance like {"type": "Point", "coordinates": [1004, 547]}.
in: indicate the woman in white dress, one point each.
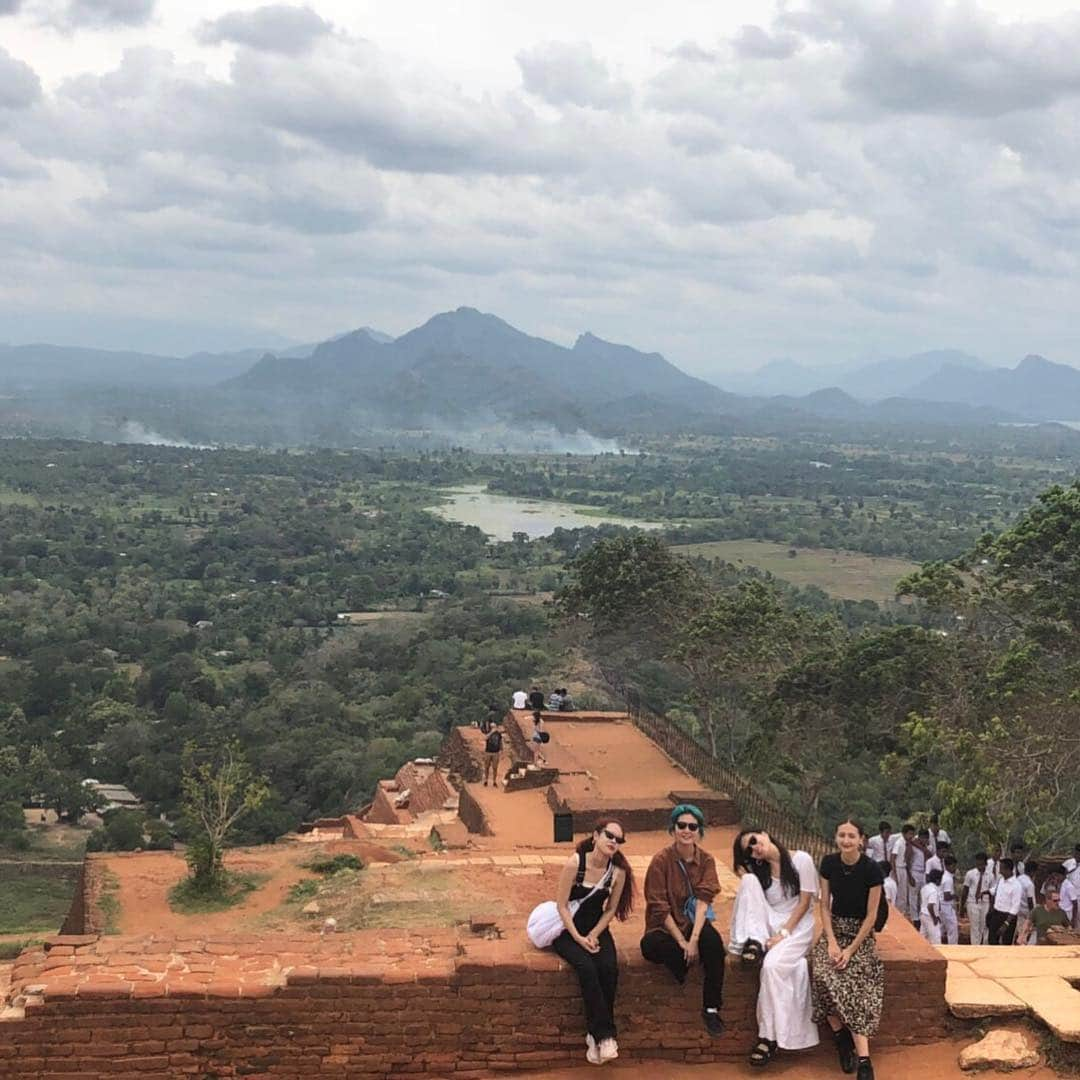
{"type": "Point", "coordinates": [773, 921]}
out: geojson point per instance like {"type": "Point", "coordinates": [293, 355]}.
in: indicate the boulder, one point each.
{"type": "Point", "coordinates": [1001, 1050]}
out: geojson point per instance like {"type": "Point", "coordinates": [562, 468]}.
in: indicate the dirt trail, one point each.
{"type": "Point", "coordinates": [936, 1061]}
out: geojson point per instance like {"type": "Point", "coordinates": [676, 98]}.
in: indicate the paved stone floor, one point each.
{"type": "Point", "coordinates": [1002, 981]}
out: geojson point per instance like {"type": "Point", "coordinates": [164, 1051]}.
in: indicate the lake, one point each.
{"type": "Point", "coordinates": [500, 516]}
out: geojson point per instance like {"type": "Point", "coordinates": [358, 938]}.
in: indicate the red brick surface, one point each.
{"type": "Point", "coordinates": [375, 1004]}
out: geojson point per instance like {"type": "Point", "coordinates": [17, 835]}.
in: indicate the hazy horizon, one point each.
{"type": "Point", "coordinates": [822, 180]}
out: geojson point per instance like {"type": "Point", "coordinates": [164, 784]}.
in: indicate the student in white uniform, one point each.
{"type": "Point", "coordinates": [918, 866]}
{"type": "Point", "coordinates": [773, 915]}
{"type": "Point", "coordinates": [930, 908]}
{"type": "Point", "coordinates": [1027, 906]}
{"type": "Point", "coordinates": [1005, 907]}
{"type": "Point", "coordinates": [877, 847]}
{"type": "Point", "coordinates": [888, 883]}
{"type": "Point", "coordinates": [903, 852]}
{"type": "Point", "coordinates": [937, 835]}
{"type": "Point", "coordinates": [975, 898]}
{"type": "Point", "coordinates": [1069, 895]}
{"type": "Point", "coordinates": [937, 860]}
{"type": "Point", "coordinates": [950, 930]}
{"type": "Point", "coordinates": [1017, 853]}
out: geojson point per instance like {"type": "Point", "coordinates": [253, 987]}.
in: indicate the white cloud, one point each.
{"type": "Point", "coordinates": [571, 74]}
{"type": "Point", "coordinates": [279, 28]}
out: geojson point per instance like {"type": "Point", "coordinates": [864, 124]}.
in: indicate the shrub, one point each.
{"type": "Point", "coordinates": [335, 864]}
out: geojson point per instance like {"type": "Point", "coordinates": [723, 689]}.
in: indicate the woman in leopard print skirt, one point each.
{"type": "Point", "coordinates": [848, 977]}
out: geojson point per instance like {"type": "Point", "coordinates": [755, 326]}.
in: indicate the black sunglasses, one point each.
{"type": "Point", "coordinates": [620, 840]}
{"type": "Point", "coordinates": [751, 843]}
{"type": "Point", "coordinates": [691, 825]}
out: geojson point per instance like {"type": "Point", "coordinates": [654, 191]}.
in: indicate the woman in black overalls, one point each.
{"type": "Point", "coordinates": [599, 883]}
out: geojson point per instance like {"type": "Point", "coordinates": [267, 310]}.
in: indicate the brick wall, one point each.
{"type": "Point", "coordinates": [383, 811]}
{"type": "Point", "coordinates": [463, 753]}
{"type": "Point", "coordinates": [472, 813]}
{"type": "Point", "coordinates": [484, 1005]}
{"type": "Point", "coordinates": [430, 793]}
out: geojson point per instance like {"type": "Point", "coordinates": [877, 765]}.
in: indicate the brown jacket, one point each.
{"type": "Point", "coordinates": [666, 891]}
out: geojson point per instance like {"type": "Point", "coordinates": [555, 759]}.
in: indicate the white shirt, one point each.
{"type": "Point", "coordinates": [975, 888]}
{"type": "Point", "coordinates": [929, 894]}
{"type": "Point", "coordinates": [918, 860]}
{"type": "Point", "coordinates": [875, 848]}
{"type": "Point", "coordinates": [948, 885]}
{"type": "Point", "coordinates": [941, 838]}
{"type": "Point", "coordinates": [1029, 892]}
{"type": "Point", "coordinates": [1072, 872]}
{"type": "Point", "coordinates": [1067, 899]}
{"type": "Point", "coordinates": [1008, 895]}
{"type": "Point", "coordinates": [808, 883]}
{"type": "Point", "coordinates": [898, 851]}
{"type": "Point", "coordinates": [935, 863]}
{"type": "Point", "coordinates": [890, 890]}
{"type": "Point", "coordinates": [521, 699]}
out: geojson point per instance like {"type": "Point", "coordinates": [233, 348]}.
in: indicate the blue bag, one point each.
{"type": "Point", "coordinates": [690, 907]}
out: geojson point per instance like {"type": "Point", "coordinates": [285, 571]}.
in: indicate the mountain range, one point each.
{"type": "Point", "coordinates": [465, 372]}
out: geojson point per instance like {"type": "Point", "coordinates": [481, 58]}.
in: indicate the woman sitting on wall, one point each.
{"type": "Point", "coordinates": [599, 881]}
{"type": "Point", "coordinates": [773, 921]}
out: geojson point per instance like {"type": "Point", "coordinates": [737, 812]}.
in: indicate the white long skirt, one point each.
{"type": "Point", "coordinates": [783, 1004]}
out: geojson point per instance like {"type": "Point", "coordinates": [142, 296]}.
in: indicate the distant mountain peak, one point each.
{"type": "Point", "coordinates": [1033, 362]}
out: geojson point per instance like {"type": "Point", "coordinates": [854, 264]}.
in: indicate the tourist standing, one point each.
{"type": "Point", "coordinates": [849, 977]}
{"type": "Point", "coordinates": [773, 921]}
{"type": "Point", "coordinates": [492, 753]}
{"type": "Point", "coordinates": [598, 880]}
{"type": "Point", "coordinates": [1005, 906]}
{"type": "Point", "coordinates": [539, 738]}
{"type": "Point", "coordinates": [678, 933]}
{"type": "Point", "coordinates": [979, 884]}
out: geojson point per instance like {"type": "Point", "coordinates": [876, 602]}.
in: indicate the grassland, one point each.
{"type": "Point", "coordinates": [847, 575]}
{"type": "Point", "coordinates": [33, 903]}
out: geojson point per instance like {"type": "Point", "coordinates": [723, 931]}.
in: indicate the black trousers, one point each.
{"type": "Point", "coordinates": [598, 974]}
{"type": "Point", "coordinates": [659, 947]}
{"type": "Point", "coordinates": [1000, 927]}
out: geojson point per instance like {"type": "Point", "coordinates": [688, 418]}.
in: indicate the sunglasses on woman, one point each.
{"type": "Point", "coordinates": [620, 840]}
{"type": "Point", "coordinates": [691, 826]}
{"type": "Point", "coordinates": [751, 843]}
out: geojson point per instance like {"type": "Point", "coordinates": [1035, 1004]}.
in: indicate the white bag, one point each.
{"type": "Point", "coordinates": [545, 923]}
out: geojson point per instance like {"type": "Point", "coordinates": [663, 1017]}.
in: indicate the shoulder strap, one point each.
{"type": "Point", "coordinates": [686, 874]}
{"type": "Point", "coordinates": [581, 867]}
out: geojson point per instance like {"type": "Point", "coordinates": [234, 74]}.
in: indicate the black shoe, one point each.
{"type": "Point", "coordinates": [866, 1070]}
{"type": "Point", "coordinates": [845, 1048]}
{"type": "Point", "coordinates": [713, 1024]}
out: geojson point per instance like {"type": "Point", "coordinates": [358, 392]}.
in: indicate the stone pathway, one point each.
{"type": "Point", "coordinates": [986, 981]}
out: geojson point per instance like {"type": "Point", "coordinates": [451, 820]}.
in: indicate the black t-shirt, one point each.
{"type": "Point", "coordinates": [849, 886]}
{"type": "Point", "coordinates": [536, 700]}
{"type": "Point", "coordinates": [494, 743]}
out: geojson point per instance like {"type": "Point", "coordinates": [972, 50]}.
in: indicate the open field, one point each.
{"type": "Point", "coordinates": [848, 575]}
{"type": "Point", "coordinates": [33, 903]}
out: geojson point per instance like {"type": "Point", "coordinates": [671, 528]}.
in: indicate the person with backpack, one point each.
{"type": "Point", "coordinates": [772, 921]}
{"type": "Point", "coordinates": [492, 753]}
{"type": "Point", "coordinates": [849, 977]}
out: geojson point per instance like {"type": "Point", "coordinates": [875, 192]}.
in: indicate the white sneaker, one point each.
{"type": "Point", "coordinates": [608, 1049]}
{"type": "Point", "coordinates": [592, 1053]}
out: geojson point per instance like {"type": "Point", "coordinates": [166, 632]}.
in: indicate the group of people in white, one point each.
{"type": "Point", "coordinates": [839, 982]}
{"type": "Point", "coordinates": [999, 895]}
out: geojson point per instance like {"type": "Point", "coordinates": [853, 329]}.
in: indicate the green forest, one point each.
{"type": "Point", "coordinates": [156, 597]}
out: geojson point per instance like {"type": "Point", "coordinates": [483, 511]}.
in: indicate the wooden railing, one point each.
{"type": "Point", "coordinates": [755, 808]}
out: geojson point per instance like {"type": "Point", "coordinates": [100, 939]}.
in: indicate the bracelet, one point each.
{"type": "Point", "coordinates": [785, 932]}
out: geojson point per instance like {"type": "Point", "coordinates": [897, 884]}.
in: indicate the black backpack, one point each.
{"type": "Point", "coordinates": [882, 912]}
{"type": "Point", "coordinates": [494, 743]}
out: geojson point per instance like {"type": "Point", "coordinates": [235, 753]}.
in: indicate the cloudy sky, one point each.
{"type": "Point", "coordinates": [726, 183]}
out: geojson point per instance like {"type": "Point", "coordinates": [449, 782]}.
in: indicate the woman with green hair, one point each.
{"type": "Point", "coordinates": [680, 886]}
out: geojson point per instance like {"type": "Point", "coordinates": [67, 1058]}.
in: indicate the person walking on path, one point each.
{"type": "Point", "coordinates": [773, 921]}
{"type": "Point", "coordinates": [492, 753]}
{"type": "Point", "coordinates": [680, 886]}
{"type": "Point", "coordinates": [849, 977]}
{"type": "Point", "coordinates": [598, 879]}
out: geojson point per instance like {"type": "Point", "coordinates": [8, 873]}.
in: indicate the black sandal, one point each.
{"type": "Point", "coordinates": [845, 1048]}
{"type": "Point", "coordinates": [752, 953]}
{"type": "Point", "coordinates": [762, 1053]}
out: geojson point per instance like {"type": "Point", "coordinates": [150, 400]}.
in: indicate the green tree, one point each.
{"type": "Point", "coordinates": [217, 791]}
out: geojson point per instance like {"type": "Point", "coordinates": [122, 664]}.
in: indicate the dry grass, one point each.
{"type": "Point", "coordinates": [847, 575]}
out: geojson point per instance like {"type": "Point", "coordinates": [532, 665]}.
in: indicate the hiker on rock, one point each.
{"type": "Point", "coordinates": [598, 881]}
{"type": "Point", "coordinates": [773, 922]}
{"type": "Point", "coordinates": [680, 886]}
{"type": "Point", "coordinates": [849, 977]}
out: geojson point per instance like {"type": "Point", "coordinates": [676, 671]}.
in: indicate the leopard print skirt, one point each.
{"type": "Point", "coordinates": [857, 993]}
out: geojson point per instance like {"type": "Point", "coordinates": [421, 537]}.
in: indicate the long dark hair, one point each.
{"type": "Point", "coordinates": [743, 860]}
{"type": "Point", "coordinates": [626, 899]}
